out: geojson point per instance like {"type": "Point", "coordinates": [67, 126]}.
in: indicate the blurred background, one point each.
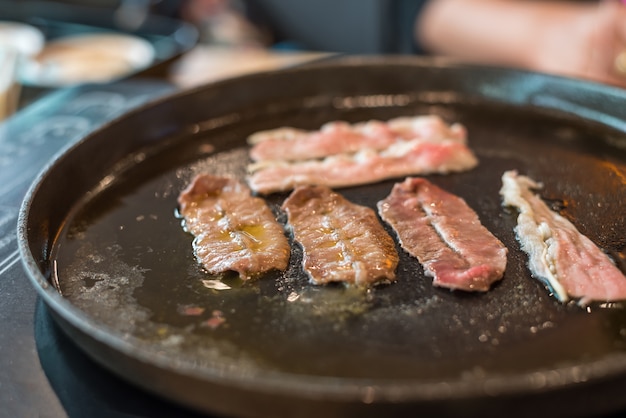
{"type": "Point", "coordinates": [48, 44]}
{"type": "Point", "coordinates": [45, 45]}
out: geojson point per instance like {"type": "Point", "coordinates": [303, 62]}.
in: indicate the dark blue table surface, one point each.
{"type": "Point", "coordinates": [42, 373]}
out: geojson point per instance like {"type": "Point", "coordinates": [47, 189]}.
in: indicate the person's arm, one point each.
{"type": "Point", "coordinates": [570, 38]}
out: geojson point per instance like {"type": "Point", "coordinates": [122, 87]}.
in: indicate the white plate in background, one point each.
{"type": "Point", "coordinates": [24, 39]}
{"type": "Point", "coordinates": [87, 58]}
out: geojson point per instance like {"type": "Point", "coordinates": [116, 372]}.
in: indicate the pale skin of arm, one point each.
{"type": "Point", "coordinates": [559, 37]}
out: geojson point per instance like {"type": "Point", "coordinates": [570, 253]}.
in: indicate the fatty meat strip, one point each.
{"type": "Point", "coordinates": [562, 258]}
{"type": "Point", "coordinates": [338, 137]}
{"type": "Point", "coordinates": [341, 241]}
{"type": "Point", "coordinates": [445, 235]}
{"type": "Point", "coordinates": [404, 158]}
{"type": "Point", "coordinates": [233, 230]}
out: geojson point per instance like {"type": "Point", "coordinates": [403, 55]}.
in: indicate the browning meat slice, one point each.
{"type": "Point", "coordinates": [341, 241]}
{"type": "Point", "coordinates": [562, 258]}
{"type": "Point", "coordinates": [445, 235]}
{"type": "Point", "coordinates": [233, 230]}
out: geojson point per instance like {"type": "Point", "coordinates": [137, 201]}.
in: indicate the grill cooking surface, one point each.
{"type": "Point", "coordinates": [124, 261]}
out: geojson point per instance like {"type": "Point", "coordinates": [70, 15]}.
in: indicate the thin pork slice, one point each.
{"type": "Point", "coordinates": [341, 241]}
{"type": "Point", "coordinates": [401, 159]}
{"type": "Point", "coordinates": [291, 144]}
{"type": "Point", "coordinates": [445, 235]}
{"type": "Point", "coordinates": [562, 258]}
{"type": "Point", "coordinates": [233, 230]}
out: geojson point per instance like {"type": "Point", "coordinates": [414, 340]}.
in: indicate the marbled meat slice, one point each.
{"type": "Point", "coordinates": [337, 137]}
{"type": "Point", "coordinates": [445, 235]}
{"type": "Point", "coordinates": [562, 258]}
{"type": "Point", "coordinates": [341, 241]}
{"type": "Point", "coordinates": [233, 230]}
{"type": "Point", "coordinates": [368, 166]}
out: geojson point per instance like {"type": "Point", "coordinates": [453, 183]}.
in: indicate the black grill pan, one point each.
{"type": "Point", "coordinates": [101, 241]}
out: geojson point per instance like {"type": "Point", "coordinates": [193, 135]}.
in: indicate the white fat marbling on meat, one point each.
{"type": "Point", "coordinates": [535, 238]}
